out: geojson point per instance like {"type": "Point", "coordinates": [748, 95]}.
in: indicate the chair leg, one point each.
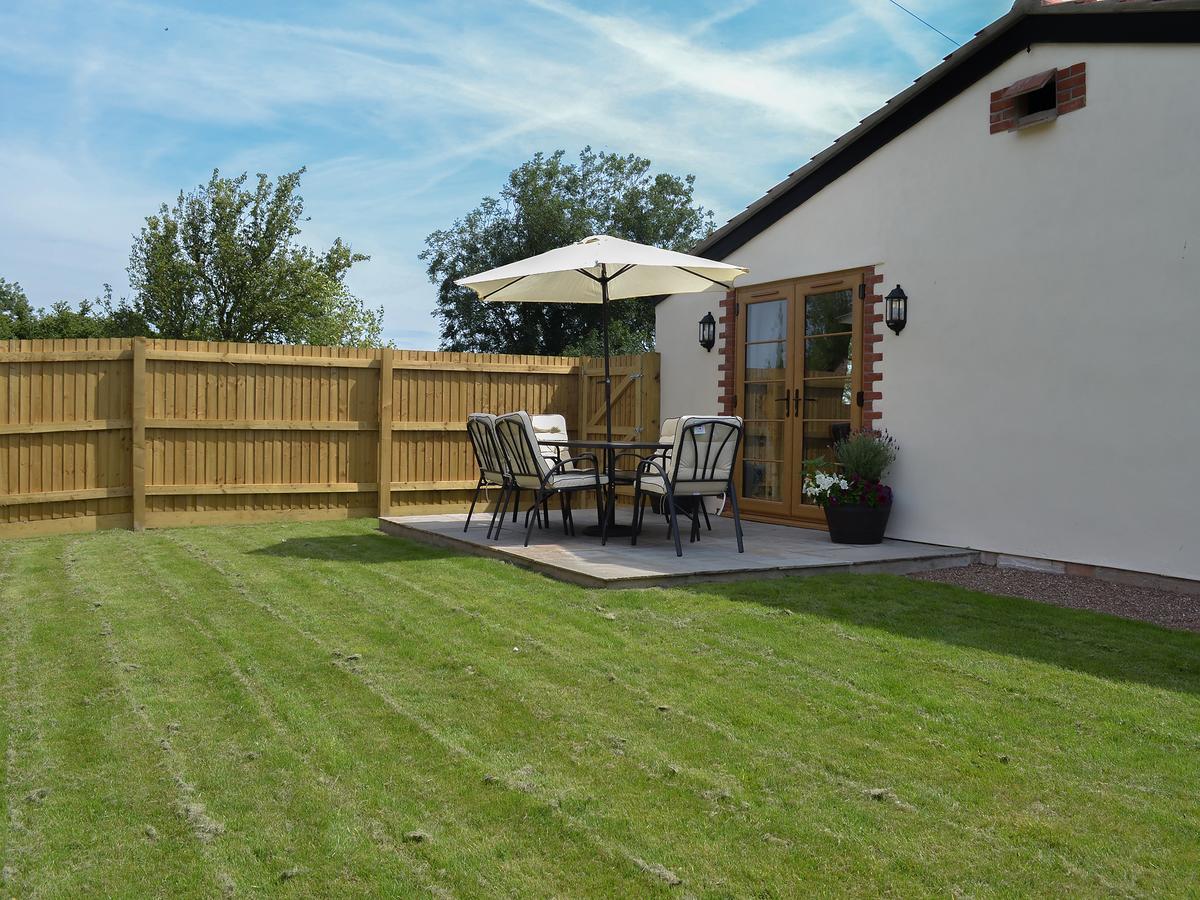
{"type": "Point", "coordinates": [531, 518]}
{"type": "Point", "coordinates": [565, 503]}
{"type": "Point", "coordinates": [474, 500]}
{"type": "Point", "coordinates": [737, 519]}
{"type": "Point", "coordinates": [498, 515]}
{"type": "Point", "coordinates": [546, 512]}
{"type": "Point", "coordinates": [705, 508]}
{"type": "Point", "coordinates": [637, 505]}
{"type": "Point", "coordinates": [674, 520]}
{"type": "Point", "coordinates": [601, 512]}
{"type": "Point", "coordinates": [516, 502]}
{"type": "Point", "coordinates": [695, 535]}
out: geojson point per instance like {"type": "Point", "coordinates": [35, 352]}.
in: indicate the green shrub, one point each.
{"type": "Point", "coordinates": [866, 454]}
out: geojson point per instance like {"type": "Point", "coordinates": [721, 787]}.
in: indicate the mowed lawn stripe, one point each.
{"type": "Point", "coordinates": [1060, 827]}
{"type": "Point", "coordinates": [542, 717]}
{"type": "Point", "coordinates": [88, 795]}
{"type": "Point", "coordinates": [1081, 790]}
{"type": "Point", "coordinates": [564, 688]}
{"type": "Point", "coordinates": [243, 784]}
{"type": "Point", "coordinates": [477, 829]}
{"type": "Point", "coordinates": [11, 698]}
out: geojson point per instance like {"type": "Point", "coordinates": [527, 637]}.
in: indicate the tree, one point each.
{"type": "Point", "coordinates": [224, 264]}
{"type": "Point", "coordinates": [546, 203]}
{"type": "Point", "coordinates": [97, 318]}
{"type": "Point", "coordinates": [16, 312]}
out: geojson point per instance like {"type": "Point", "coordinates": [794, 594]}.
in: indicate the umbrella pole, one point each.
{"type": "Point", "coordinates": [607, 375]}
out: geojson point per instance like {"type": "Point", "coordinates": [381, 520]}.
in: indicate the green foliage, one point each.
{"type": "Point", "coordinates": [99, 318]}
{"type": "Point", "coordinates": [16, 313]}
{"type": "Point", "coordinates": [866, 454]}
{"type": "Point", "coordinates": [224, 264]}
{"type": "Point", "coordinates": [546, 203]}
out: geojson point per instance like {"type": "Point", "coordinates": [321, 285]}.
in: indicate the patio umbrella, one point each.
{"type": "Point", "coordinates": [598, 269]}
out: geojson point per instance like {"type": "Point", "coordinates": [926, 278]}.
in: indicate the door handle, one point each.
{"type": "Point", "coordinates": [786, 401]}
{"type": "Point", "coordinates": [797, 403]}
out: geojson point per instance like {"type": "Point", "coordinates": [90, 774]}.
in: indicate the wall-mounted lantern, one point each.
{"type": "Point", "coordinates": [708, 332]}
{"type": "Point", "coordinates": [895, 311]}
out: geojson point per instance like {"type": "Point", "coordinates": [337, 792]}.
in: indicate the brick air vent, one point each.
{"type": "Point", "coordinates": [1039, 98]}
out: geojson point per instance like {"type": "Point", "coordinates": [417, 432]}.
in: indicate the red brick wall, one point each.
{"type": "Point", "coordinates": [1072, 88]}
{"type": "Point", "coordinates": [1071, 83]}
{"type": "Point", "coordinates": [727, 339]}
{"type": "Point", "coordinates": [872, 355]}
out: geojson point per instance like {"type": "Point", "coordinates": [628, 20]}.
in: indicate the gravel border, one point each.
{"type": "Point", "coordinates": [1159, 607]}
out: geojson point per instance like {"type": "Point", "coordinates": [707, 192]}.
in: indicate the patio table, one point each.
{"type": "Point", "coordinates": [612, 449]}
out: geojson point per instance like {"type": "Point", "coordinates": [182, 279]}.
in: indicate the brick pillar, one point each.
{"type": "Point", "coordinates": [727, 344]}
{"type": "Point", "coordinates": [872, 355]}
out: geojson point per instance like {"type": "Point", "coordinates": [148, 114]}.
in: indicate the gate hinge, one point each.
{"type": "Point", "coordinates": [862, 290]}
{"type": "Point", "coordinates": [859, 398]}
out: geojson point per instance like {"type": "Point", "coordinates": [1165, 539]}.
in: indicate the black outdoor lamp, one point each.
{"type": "Point", "coordinates": [895, 312]}
{"type": "Point", "coordinates": [708, 332]}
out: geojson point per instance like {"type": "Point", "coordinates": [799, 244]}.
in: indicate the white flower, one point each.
{"type": "Point", "coordinates": [819, 485]}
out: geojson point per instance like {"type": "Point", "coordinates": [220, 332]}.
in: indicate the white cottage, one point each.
{"type": "Point", "coordinates": [1037, 198]}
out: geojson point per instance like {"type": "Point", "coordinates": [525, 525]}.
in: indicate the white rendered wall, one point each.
{"type": "Point", "coordinates": [1046, 393]}
{"type": "Point", "coordinates": [691, 388]}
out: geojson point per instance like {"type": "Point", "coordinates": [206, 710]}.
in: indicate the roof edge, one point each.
{"type": "Point", "coordinates": [1028, 22]}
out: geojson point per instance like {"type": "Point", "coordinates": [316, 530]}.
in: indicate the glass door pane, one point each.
{"type": "Point", "coordinates": [765, 398]}
{"type": "Point", "coordinates": [827, 380]}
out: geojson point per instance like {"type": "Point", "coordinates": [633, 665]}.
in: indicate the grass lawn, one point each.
{"type": "Point", "coordinates": [320, 710]}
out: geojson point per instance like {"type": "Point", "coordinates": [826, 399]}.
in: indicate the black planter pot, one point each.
{"type": "Point", "coordinates": [857, 524]}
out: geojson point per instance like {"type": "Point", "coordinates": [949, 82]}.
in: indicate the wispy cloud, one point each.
{"type": "Point", "coordinates": [921, 44]}
{"type": "Point", "coordinates": [407, 115]}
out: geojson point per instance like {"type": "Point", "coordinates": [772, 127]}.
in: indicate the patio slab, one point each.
{"type": "Point", "coordinates": [771, 551]}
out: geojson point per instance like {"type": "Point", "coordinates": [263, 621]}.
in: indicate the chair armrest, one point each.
{"type": "Point", "coordinates": [636, 456]}
{"type": "Point", "coordinates": [648, 464]}
{"type": "Point", "coordinates": [558, 467]}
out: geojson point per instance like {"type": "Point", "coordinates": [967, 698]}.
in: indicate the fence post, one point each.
{"type": "Point", "coordinates": [386, 368]}
{"type": "Point", "coordinates": [650, 388]}
{"type": "Point", "coordinates": [138, 443]}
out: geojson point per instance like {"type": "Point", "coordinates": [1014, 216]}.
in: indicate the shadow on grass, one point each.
{"type": "Point", "coordinates": [1093, 643]}
{"type": "Point", "coordinates": [373, 547]}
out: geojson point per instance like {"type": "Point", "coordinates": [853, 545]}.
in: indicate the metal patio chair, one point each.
{"type": "Point", "coordinates": [481, 427]}
{"type": "Point", "coordinates": [528, 469]}
{"type": "Point", "coordinates": [700, 464]}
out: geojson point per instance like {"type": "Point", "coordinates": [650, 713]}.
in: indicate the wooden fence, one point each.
{"type": "Point", "coordinates": [150, 433]}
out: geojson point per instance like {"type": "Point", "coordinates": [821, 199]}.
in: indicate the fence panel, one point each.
{"type": "Point", "coordinates": [134, 432]}
{"type": "Point", "coordinates": [65, 418]}
{"type": "Point", "coordinates": [432, 463]}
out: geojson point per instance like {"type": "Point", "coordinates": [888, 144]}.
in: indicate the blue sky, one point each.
{"type": "Point", "coordinates": [406, 114]}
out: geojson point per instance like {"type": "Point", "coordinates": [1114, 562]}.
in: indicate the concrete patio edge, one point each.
{"type": "Point", "coordinates": [923, 558]}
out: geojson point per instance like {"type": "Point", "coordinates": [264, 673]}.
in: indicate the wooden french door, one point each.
{"type": "Point", "coordinates": [798, 386]}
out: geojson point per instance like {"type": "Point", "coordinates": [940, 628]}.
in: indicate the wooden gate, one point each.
{"type": "Point", "coordinates": [635, 394]}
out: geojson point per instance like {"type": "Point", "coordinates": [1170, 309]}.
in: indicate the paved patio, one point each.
{"type": "Point", "coordinates": [771, 551]}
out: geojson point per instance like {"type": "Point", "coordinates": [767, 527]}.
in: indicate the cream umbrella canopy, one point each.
{"type": "Point", "coordinates": [598, 269]}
